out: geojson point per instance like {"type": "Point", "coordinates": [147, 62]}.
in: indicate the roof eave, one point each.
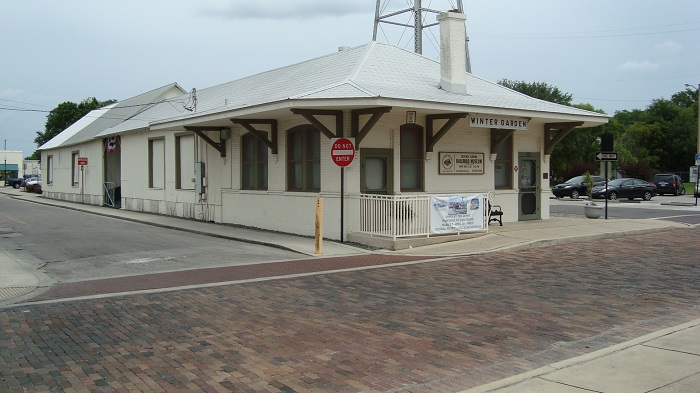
{"type": "Point", "coordinates": [590, 120]}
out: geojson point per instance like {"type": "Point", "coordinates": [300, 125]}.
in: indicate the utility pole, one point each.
{"type": "Point", "coordinates": [419, 16]}
{"type": "Point", "coordinates": [698, 91]}
{"type": "Point", "coordinates": [697, 167]}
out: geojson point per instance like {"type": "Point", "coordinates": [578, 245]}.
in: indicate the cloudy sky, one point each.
{"type": "Point", "coordinates": [615, 55]}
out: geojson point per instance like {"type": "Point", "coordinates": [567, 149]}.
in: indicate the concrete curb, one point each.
{"type": "Point", "coordinates": [573, 362]}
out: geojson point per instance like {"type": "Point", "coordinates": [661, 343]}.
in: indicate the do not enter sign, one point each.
{"type": "Point", "coordinates": [342, 151]}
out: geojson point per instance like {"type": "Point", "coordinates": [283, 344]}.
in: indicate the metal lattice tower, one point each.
{"type": "Point", "coordinates": [417, 15]}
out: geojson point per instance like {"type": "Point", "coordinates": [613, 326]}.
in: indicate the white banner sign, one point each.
{"type": "Point", "coordinates": [456, 213]}
{"type": "Point", "coordinates": [506, 123]}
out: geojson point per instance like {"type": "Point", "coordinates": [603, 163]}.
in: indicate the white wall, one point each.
{"type": "Point", "coordinates": [12, 157]}
{"type": "Point", "coordinates": [294, 212]}
{"type": "Point", "coordinates": [89, 187]}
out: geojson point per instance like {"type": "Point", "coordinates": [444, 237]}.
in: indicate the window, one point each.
{"type": "Point", "coordinates": [411, 157]}
{"type": "Point", "coordinates": [156, 163]}
{"type": "Point", "coordinates": [49, 170]}
{"type": "Point", "coordinates": [253, 163]}
{"type": "Point", "coordinates": [503, 174]}
{"type": "Point", "coordinates": [304, 159]}
{"type": "Point", "coordinates": [184, 162]}
{"type": "Point", "coordinates": [75, 169]}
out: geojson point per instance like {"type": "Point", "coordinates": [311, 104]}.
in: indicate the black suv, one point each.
{"type": "Point", "coordinates": [668, 183]}
{"type": "Point", "coordinates": [575, 187]}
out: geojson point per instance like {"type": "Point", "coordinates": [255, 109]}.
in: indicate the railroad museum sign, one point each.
{"type": "Point", "coordinates": [505, 123]}
{"type": "Point", "coordinates": [461, 163]}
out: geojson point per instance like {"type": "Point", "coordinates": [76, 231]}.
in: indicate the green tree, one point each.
{"type": "Point", "coordinates": [539, 90]}
{"type": "Point", "coordinates": [663, 136]}
{"type": "Point", "coordinates": [578, 149]}
{"type": "Point", "coordinates": [62, 117]}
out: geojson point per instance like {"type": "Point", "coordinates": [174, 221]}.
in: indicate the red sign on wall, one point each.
{"type": "Point", "coordinates": [342, 151]}
{"type": "Point", "coordinates": [82, 161]}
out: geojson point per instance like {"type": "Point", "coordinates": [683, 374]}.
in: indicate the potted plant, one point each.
{"type": "Point", "coordinates": [591, 209]}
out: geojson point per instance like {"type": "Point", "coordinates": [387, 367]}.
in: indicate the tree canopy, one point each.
{"type": "Point", "coordinates": [539, 90]}
{"type": "Point", "coordinates": [661, 137]}
{"type": "Point", "coordinates": [63, 116]}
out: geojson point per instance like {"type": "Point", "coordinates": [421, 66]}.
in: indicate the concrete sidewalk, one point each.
{"type": "Point", "coordinates": [667, 360]}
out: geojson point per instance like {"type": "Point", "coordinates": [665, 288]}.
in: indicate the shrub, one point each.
{"type": "Point", "coordinates": [577, 169]}
{"type": "Point", "coordinates": [34, 188]}
{"type": "Point", "coordinates": [637, 170]}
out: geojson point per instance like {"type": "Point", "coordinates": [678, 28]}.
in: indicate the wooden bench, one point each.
{"type": "Point", "coordinates": [495, 214]}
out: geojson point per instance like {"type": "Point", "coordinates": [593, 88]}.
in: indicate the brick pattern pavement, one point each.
{"type": "Point", "coordinates": [218, 275]}
{"type": "Point", "coordinates": [434, 327]}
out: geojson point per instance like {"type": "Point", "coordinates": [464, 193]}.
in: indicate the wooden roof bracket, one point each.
{"type": "Point", "coordinates": [220, 146]}
{"type": "Point", "coordinates": [499, 136]}
{"type": "Point", "coordinates": [360, 134]}
{"type": "Point", "coordinates": [249, 124]}
{"type": "Point", "coordinates": [551, 140]}
{"type": "Point", "coordinates": [310, 116]}
{"type": "Point", "coordinates": [430, 139]}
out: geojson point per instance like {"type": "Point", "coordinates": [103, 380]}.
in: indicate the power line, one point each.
{"type": "Point", "coordinates": [574, 35]}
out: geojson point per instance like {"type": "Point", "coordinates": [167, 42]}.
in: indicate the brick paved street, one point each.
{"type": "Point", "coordinates": [432, 327]}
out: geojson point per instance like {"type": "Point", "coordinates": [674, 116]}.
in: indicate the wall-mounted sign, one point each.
{"type": "Point", "coordinates": [506, 123]}
{"type": "Point", "coordinates": [461, 164]}
{"type": "Point", "coordinates": [410, 117]}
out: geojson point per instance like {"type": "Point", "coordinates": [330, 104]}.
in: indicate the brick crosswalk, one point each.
{"type": "Point", "coordinates": [432, 327]}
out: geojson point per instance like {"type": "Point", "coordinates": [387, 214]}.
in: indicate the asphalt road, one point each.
{"type": "Point", "coordinates": [75, 246]}
{"type": "Point", "coordinates": [666, 207]}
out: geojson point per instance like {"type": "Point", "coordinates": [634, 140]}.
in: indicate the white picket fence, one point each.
{"type": "Point", "coordinates": [397, 216]}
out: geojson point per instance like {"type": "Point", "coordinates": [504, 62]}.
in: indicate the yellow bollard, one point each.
{"type": "Point", "coordinates": [319, 226]}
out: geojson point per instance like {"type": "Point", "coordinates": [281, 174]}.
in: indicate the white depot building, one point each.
{"type": "Point", "coordinates": [433, 147]}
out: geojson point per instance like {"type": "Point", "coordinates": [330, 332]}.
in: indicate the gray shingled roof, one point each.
{"type": "Point", "coordinates": [374, 70]}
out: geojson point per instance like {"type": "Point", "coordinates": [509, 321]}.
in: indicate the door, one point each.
{"type": "Point", "coordinates": [376, 176]}
{"type": "Point", "coordinates": [112, 187]}
{"type": "Point", "coordinates": [529, 186]}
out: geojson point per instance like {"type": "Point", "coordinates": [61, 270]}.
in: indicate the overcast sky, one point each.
{"type": "Point", "coordinates": [613, 54]}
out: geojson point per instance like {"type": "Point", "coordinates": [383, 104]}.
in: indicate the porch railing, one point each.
{"type": "Point", "coordinates": [397, 216]}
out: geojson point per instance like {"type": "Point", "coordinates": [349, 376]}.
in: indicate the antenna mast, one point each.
{"type": "Point", "coordinates": [418, 13]}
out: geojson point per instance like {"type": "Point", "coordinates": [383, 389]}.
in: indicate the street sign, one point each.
{"type": "Point", "coordinates": [600, 156]}
{"type": "Point", "coordinates": [697, 159]}
{"type": "Point", "coordinates": [82, 161]}
{"type": "Point", "coordinates": [342, 151]}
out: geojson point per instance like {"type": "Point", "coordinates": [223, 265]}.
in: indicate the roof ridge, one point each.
{"type": "Point", "coordinates": [294, 65]}
{"type": "Point", "coordinates": [333, 86]}
{"type": "Point", "coordinates": [360, 64]}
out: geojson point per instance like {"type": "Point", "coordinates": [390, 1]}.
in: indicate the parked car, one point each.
{"type": "Point", "coordinates": [33, 184]}
{"type": "Point", "coordinates": [626, 188]}
{"type": "Point", "coordinates": [574, 187]}
{"type": "Point", "coordinates": [18, 181]}
{"type": "Point", "coordinates": [668, 183]}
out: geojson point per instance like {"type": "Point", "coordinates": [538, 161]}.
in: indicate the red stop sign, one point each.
{"type": "Point", "coordinates": [342, 151]}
